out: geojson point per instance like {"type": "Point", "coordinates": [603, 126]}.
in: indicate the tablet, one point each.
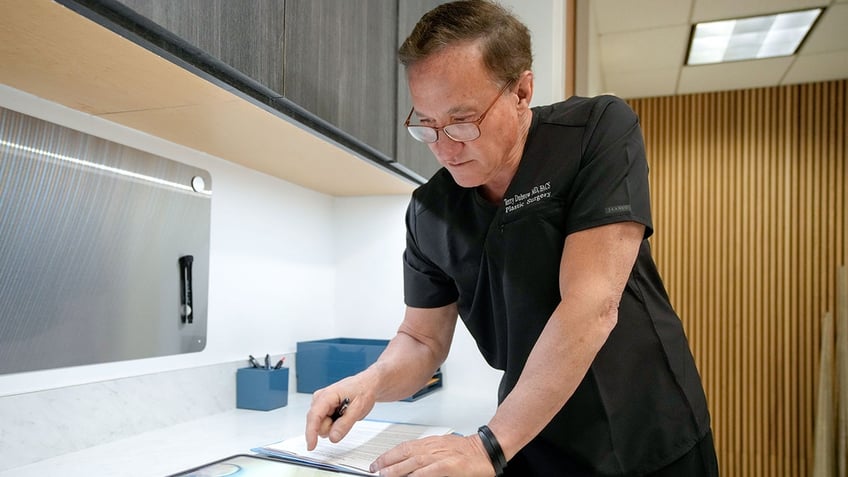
{"type": "Point", "coordinates": [244, 465]}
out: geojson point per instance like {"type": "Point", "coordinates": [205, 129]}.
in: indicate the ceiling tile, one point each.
{"type": "Point", "coordinates": [640, 43]}
{"type": "Point", "coordinates": [645, 14]}
{"type": "Point", "coordinates": [821, 67]}
{"type": "Point", "coordinates": [659, 48]}
{"type": "Point", "coordinates": [642, 84]}
{"type": "Point", "coordinates": [706, 10]}
{"type": "Point", "coordinates": [736, 75]}
{"type": "Point", "coordinates": [829, 32]}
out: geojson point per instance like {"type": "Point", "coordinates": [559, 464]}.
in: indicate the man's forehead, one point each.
{"type": "Point", "coordinates": [449, 101]}
{"type": "Point", "coordinates": [460, 57]}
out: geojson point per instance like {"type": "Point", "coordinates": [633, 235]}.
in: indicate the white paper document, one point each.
{"type": "Point", "coordinates": [366, 441]}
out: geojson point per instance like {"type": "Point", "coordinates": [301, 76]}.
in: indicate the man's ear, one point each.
{"type": "Point", "coordinates": [525, 89]}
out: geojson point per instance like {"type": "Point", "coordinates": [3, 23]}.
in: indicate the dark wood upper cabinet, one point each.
{"type": "Point", "coordinates": [335, 58]}
{"type": "Point", "coordinates": [341, 64]}
{"type": "Point", "coordinates": [245, 34]}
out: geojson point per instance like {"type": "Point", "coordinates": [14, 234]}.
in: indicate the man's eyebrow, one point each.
{"type": "Point", "coordinates": [454, 111]}
{"type": "Point", "coordinates": [462, 108]}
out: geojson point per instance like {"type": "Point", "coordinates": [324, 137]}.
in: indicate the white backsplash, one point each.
{"type": "Point", "coordinates": [39, 425]}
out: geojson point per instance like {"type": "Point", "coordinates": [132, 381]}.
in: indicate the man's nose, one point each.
{"type": "Point", "coordinates": [445, 148]}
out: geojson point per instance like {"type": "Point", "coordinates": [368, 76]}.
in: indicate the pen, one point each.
{"type": "Point", "coordinates": [339, 412]}
{"type": "Point", "coordinates": [252, 361]}
{"type": "Point", "coordinates": [267, 361]}
{"type": "Point", "coordinates": [280, 363]}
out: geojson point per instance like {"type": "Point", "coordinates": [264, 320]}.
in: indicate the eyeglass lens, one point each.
{"type": "Point", "coordinates": [460, 132]}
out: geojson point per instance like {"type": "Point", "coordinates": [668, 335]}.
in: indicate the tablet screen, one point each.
{"type": "Point", "coordinates": [254, 466]}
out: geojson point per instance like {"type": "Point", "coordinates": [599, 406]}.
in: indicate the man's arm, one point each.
{"type": "Point", "coordinates": [594, 269]}
{"type": "Point", "coordinates": [412, 356]}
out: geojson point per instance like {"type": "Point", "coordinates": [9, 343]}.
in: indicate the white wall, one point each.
{"type": "Point", "coordinates": [370, 239]}
{"type": "Point", "coordinates": [589, 80]}
{"type": "Point", "coordinates": [369, 242]}
{"type": "Point", "coordinates": [545, 19]}
{"type": "Point", "coordinates": [271, 259]}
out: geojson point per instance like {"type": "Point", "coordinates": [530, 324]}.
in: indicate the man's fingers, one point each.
{"type": "Point", "coordinates": [335, 409]}
{"type": "Point", "coordinates": [340, 428]}
{"type": "Point", "coordinates": [326, 424]}
{"type": "Point", "coordinates": [313, 429]}
{"type": "Point", "coordinates": [435, 456]}
{"type": "Point", "coordinates": [319, 422]}
{"type": "Point", "coordinates": [396, 459]}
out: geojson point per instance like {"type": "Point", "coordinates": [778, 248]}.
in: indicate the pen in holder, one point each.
{"type": "Point", "coordinates": [262, 389]}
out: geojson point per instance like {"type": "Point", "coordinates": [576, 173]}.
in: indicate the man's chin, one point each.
{"type": "Point", "coordinates": [467, 181]}
{"type": "Point", "coordinates": [467, 184]}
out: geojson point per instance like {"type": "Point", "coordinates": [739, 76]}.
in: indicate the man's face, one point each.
{"type": "Point", "coordinates": [453, 86]}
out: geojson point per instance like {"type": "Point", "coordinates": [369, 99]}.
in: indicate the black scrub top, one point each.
{"type": "Point", "coordinates": [641, 405]}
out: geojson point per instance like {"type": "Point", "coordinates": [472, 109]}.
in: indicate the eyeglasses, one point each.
{"type": "Point", "coordinates": [460, 132]}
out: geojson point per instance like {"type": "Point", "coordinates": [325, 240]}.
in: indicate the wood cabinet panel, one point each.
{"type": "Point", "coordinates": [411, 153]}
{"type": "Point", "coordinates": [245, 34]}
{"type": "Point", "coordinates": [336, 59]}
{"type": "Point", "coordinates": [341, 64]}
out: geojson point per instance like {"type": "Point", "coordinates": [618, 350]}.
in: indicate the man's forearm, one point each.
{"type": "Point", "coordinates": [403, 368]}
{"type": "Point", "coordinates": [413, 355]}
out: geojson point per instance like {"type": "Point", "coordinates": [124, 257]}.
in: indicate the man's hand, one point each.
{"type": "Point", "coordinates": [420, 346]}
{"type": "Point", "coordinates": [319, 422]}
{"type": "Point", "coordinates": [436, 456]}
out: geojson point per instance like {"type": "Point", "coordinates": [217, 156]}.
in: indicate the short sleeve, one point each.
{"type": "Point", "coordinates": [612, 182]}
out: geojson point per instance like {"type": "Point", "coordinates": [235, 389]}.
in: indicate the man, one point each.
{"type": "Point", "coordinates": [534, 233]}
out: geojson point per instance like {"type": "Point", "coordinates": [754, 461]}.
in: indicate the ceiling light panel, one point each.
{"type": "Point", "coordinates": [750, 38]}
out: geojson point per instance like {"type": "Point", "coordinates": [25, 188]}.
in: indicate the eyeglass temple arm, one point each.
{"type": "Point", "coordinates": [408, 117]}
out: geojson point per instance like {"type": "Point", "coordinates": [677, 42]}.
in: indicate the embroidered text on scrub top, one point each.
{"type": "Point", "coordinates": [537, 193]}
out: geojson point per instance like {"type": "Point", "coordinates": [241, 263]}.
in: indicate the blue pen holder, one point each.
{"type": "Point", "coordinates": [262, 389]}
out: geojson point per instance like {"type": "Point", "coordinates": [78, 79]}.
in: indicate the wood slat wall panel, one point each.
{"type": "Point", "coordinates": [749, 201]}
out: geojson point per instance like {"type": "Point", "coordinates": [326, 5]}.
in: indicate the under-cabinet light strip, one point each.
{"type": "Point", "coordinates": [94, 165]}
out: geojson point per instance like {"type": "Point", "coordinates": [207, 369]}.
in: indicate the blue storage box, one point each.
{"type": "Point", "coordinates": [262, 389]}
{"type": "Point", "coordinates": [320, 363]}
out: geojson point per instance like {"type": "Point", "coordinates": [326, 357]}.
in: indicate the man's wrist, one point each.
{"type": "Point", "coordinates": [493, 449]}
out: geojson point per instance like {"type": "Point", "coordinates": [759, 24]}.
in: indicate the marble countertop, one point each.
{"type": "Point", "coordinates": [183, 446]}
